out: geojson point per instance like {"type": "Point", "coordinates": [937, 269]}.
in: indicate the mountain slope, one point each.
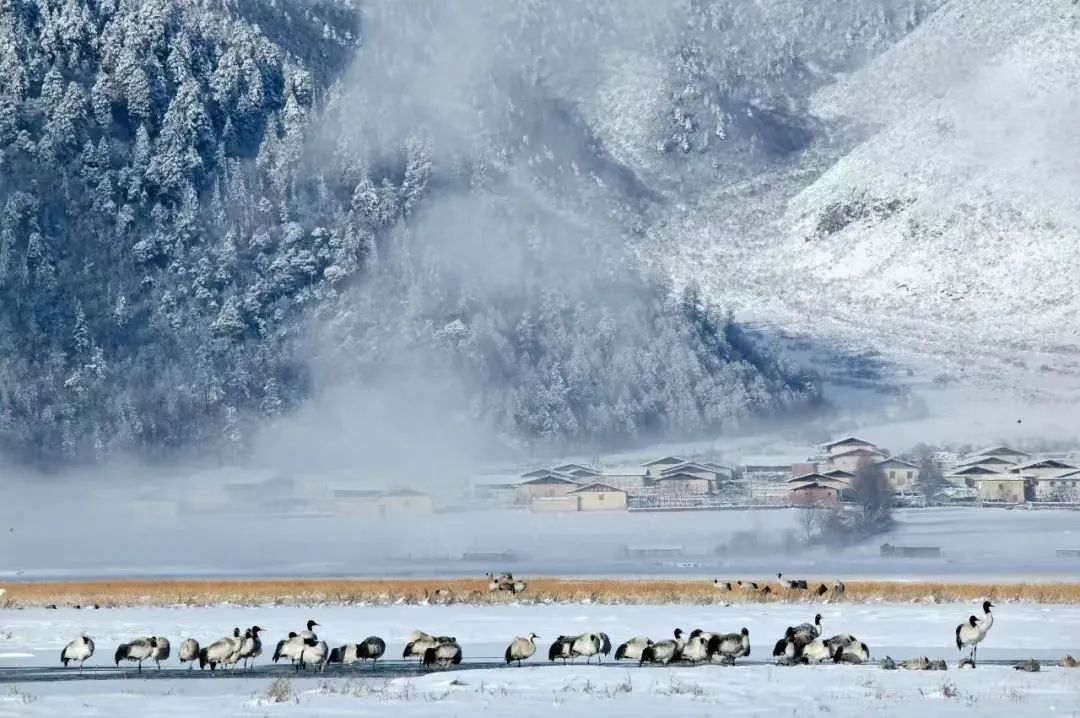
{"type": "Point", "coordinates": [937, 226]}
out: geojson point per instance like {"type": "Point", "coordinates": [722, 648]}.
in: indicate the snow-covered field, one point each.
{"type": "Point", "coordinates": [976, 544]}
{"type": "Point", "coordinates": [31, 638]}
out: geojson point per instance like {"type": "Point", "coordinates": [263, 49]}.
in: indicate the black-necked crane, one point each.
{"type": "Point", "coordinates": [221, 651]}
{"type": "Point", "coordinates": [290, 648]}
{"type": "Point", "coordinates": [632, 649]}
{"type": "Point", "coordinates": [309, 633]}
{"type": "Point", "coordinates": [139, 649]}
{"type": "Point", "coordinates": [664, 652]}
{"type": "Point", "coordinates": [419, 643]}
{"type": "Point", "coordinates": [560, 648]}
{"type": "Point", "coordinates": [446, 653]}
{"type": "Point", "coordinates": [695, 650]}
{"type": "Point", "coordinates": [588, 645]}
{"type": "Point", "coordinates": [78, 650]}
{"type": "Point", "coordinates": [521, 649]}
{"type": "Point", "coordinates": [161, 650]}
{"type": "Point", "coordinates": [968, 634]}
{"type": "Point", "coordinates": [806, 632]}
{"type": "Point", "coordinates": [729, 645]}
{"type": "Point", "coordinates": [314, 653]}
{"type": "Point", "coordinates": [853, 651]}
{"type": "Point", "coordinates": [371, 649]}
{"type": "Point", "coordinates": [189, 652]}
{"type": "Point", "coordinates": [789, 584]}
{"type": "Point", "coordinates": [251, 646]}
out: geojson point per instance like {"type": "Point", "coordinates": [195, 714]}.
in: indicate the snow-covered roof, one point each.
{"type": "Point", "coordinates": [1043, 464]}
{"type": "Point", "coordinates": [821, 479]}
{"type": "Point", "coordinates": [892, 461]}
{"type": "Point", "coordinates": [977, 470]}
{"type": "Point", "coordinates": [858, 452]}
{"type": "Point", "coordinates": [681, 475]}
{"type": "Point", "coordinates": [815, 485]}
{"type": "Point", "coordinates": [598, 486]}
{"type": "Point", "coordinates": [550, 479]}
{"type": "Point", "coordinates": [848, 440]}
{"type": "Point", "coordinates": [688, 466]}
{"type": "Point", "coordinates": [537, 472]}
{"type": "Point", "coordinates": [1000, 451]}
{"type": "Point", "coordinates": [666, 461]}
{"type": "Point", "coordinates": [571, 468]}
{"type": "Point", "coordinates": [978, 459]}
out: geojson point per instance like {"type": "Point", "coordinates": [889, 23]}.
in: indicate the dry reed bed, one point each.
{"type": "Point", "coordinates": [107, 594]}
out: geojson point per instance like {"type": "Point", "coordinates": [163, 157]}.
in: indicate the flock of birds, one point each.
{"type": "Point", "coordinates": [801, 644]}
{"type": "Point", "coordinates": [753, 587]}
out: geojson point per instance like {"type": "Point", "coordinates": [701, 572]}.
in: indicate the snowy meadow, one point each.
{"type": "Point", "coordinates": [31, 640]}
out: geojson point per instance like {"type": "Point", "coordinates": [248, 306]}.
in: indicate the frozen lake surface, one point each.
{"type": "Point", "coordinates": [30, 642]}
{"type": "Point", "coordinates": [977, 544]}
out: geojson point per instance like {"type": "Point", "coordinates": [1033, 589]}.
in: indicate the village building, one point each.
{"type": "Point", "coordinates": [657, 466]}
{"type": "Point", "coordinates": [554, 504]}
{"type": "Point", "coordinates": [575, 470]}
{"type": "Point", "coordinates": [843, 446]}
{"type": "Point", "coordinates": [841, 486]}
{"type": "Point", "coordinates": [682, 483]}
{"type": "Point", "coordinates": [813, 493]}
{"type": "Point", "coordinates": [598, 496]}
{"type": "Point", "coordinates": [539, 474]}
{"type": "Point", "coordinates": [849, 460]}
{"type": "Point", "coordinates": [967, 475]}
{"type": "Point", "coordinates": [766, 473]}
{"type": "Point", "coordinates": [901, 475]}
{"type": "Point", "coordinates": [839, 475]}
{"type": "Point", "coordinates": [691, 467]}
{"type": "Point", "coordinates": [1042, 468]}
{"type": "Point", "coordinates": [546, 486]}
{"type": "Point", "coordinates": [994, 463]}
{"type": "Point", "coordinates": [631, 482]}
{"type": "Point", "coordinates": [721, 470]}
{"type": "Point", "coordinates": [1065, 487]}
{"type": "Point", "coordinates": [1005, 453]}
{"type": "Point", "coordinates": [1000, 488]}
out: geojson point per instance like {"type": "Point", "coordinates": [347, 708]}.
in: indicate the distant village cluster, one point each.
{"type": "Point", "coordinates": [998, 475]}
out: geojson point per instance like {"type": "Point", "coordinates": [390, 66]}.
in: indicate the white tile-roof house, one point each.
{"type": "Point", "coordinates": [846, 444]}
{"type": "Point", "coordinates": [572, 469]}
{"type": "Point", "coordinates": [850, 459]}
{"type": "Point", "coordinates": [1042, 468]}
{"type": "Point", "coordinates": [657, 466]}
{"type": "Point", "coordinates": [900, 474]}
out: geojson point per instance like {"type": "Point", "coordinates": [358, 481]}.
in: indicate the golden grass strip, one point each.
{"type": "Point", "coordinates": [107, 594]}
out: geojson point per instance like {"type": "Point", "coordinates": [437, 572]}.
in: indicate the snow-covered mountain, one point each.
{"type": "Point", "coordinates": [937, 223]}
{"type": "Point", "coordinates": [561, 216]}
